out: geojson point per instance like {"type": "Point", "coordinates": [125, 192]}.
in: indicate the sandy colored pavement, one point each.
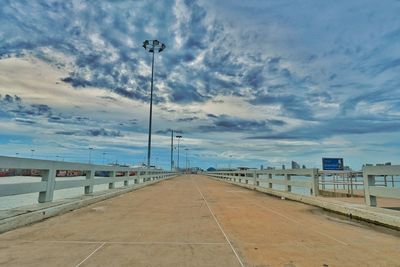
{"type": "Point", "coordinates": [196, 221]}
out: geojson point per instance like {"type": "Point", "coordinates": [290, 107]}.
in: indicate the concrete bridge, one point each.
{"type": "Point", "coordinates": [195, 220]}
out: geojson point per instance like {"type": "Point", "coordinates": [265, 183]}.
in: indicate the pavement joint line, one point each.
{"type": "Point", "coordinates": [85, 259]}
{"type": "Point", "coordinates": [117, 242]}
{"type": "Point", "coordinates": [223, 232]}
{"type": "Point", "coordinates": [297, 222]}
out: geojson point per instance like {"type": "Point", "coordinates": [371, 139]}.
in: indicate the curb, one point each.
{"type": "Point", "coordinates": [40, 214]}
{"type": "Point", "coordinates": [375, 215]}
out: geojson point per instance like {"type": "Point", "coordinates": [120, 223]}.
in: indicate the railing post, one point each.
{"type": "Point", "coordinates": [314, 191]}
{"type": "Point", "coordinates": [112, 184]}
{"type": "Point", "coordinates": [288, 187]}
{"type": "Point", "coordinates": [255, 177]}
{"type": "Point", "coordinates": [48, 176]}
{"type": "Point", "coordinates": [90, 177]}
{"type": "Point", "coordinates": [369, 180]}
{"type": "Point", "coordinates": [269, 180]}
{"type": "Point", "coordinates": [143, 176]}
{"type": "Point", "coordinates": [126, 182]}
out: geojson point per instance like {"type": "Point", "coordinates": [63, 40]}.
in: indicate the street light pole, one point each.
{"type": "Point", "coordinates": [90, 155]}
{"type": "Point", "coordinates": [172, 149]}
{"type": "Point", "coordinates": [186, 150]}
{"type": "Point", "coordinates": [151, 46]}
{"type": "Point", "coordinates": [179, 138]}
{"type": "Point", "coordinates": [32, 150]}
{"type": "Point", "coordinates": [104, 158]}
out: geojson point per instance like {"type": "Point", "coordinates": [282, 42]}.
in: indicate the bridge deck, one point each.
{"type": "Point", "coordinates": [196, 221]}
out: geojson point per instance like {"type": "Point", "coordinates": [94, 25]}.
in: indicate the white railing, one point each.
{"type": "Point", "coordinates": [350, 182]}
{"type": "Point", "coordinates": [378, 181]}
{"type": "Point", "coordinates": [271, 177]}
{"type": "Point", "coordinates": [372, 190]}
{"type": "Point", "coordinates": [49, 170]}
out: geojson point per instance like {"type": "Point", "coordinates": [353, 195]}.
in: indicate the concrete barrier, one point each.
{"type": "Point", "coordinates": [379, 216]}
{"type": "Point", "coordinates": [22, 217]}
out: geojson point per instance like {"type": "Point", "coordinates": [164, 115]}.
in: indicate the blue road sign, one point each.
{"type": "Point", "coordinates": [332, 164]}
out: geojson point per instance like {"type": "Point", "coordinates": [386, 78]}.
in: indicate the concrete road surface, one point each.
{"type": "Point", "coordinates": [196, 221]}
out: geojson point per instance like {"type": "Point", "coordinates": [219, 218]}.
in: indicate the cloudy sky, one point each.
{"type": "Point", "coordinates": [249, 83]}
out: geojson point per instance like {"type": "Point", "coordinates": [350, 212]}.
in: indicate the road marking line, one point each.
{"type": "Point", "coordinates": [79, 264]}
{"type": "Point", "coordinates": [298, 222]}
{"type": "Point", "coordinates": [226, 237]}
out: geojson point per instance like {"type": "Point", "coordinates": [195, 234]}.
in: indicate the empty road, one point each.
{"type": "Point", "coordinates": [196, 221]}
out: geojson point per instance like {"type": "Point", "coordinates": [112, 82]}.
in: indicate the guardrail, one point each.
{"type": "Point", "coordinates": [273, 177]}
{"type": "Point", "coordinates": [375, 183]}
{"type": "Point", "coordinates": [350, 182]}
{"type": "Point", "coordinates": [48, 171]}
{"type": "Point", "coordinates": [372, 190]}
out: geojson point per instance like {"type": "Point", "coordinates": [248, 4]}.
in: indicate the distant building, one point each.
{"type": "Point", "coordinates": [295, 165]}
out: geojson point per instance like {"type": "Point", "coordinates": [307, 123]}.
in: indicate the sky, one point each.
{"type": "Point", "coordinates": [246, 83]}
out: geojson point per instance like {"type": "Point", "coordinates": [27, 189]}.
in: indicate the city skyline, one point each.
{"type": "Point", "coordinates": [245, 83]}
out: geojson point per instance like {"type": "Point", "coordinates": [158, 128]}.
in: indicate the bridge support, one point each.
{"type": "Point", "coordinates": [369, 180]}
{"type": "Point", "coordinates": [90, 177]}
{"type": "Point", "coordinates": [288, 187]}
{"type": "Point", "coordinates": [48, 176]}
{"type": "Point", "coordinates": [112, 184]}
{"type": "Point", "coordinates": [314, 191]}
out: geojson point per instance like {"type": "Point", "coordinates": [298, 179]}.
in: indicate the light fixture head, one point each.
{"type": "Point", "coordinates": [153, 46]}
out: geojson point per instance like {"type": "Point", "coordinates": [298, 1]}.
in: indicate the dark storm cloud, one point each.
{"type": "Point", "coordinates": [67, 132]}
{"type": "Point", "coordinates": [168, 131]}
{"type": "Point", "coordinates": [92, 133]}
{"type": "Point", "coordinates": [188, 119]}
{"type": "Point", "coordinates": [207, 58]}
{"type": "Point", "coordinates": [103, 132]}
{"type": "Point", "coordinates": [25, 121]}
{"type": "Point", "coordinates": [186, 93]}
{"type": "Point", "coordinates": [292, 105]}
{"type": "Point", "coordinates": [68, 119]}
{"type": "Point", "coordinates": [226, 123]}
{"type": "Point", "coordinates": [339, 126]}
{"type": "Point", "coordinates": [14, 106]}
{"type": "Point", "coordinates": [9, 99]}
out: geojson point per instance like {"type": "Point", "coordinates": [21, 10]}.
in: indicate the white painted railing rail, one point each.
{"type": "Point", "coordinates": [49, 182]}
{"type": "Point", "coordinates": [371, 190]}
{"type": "Point", "coordinates": [273, 177]}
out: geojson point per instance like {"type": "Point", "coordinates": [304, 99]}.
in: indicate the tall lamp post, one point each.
{"type": "Point", "coordinates": [172, 150]}
{"type": "Point", "coordinates": [186, 150]}
{"type": "Point", "coordinates": [90, 155]}
{"type": "Point", "coordinates": [179, 138]}
{"type": "Point", "coordinates": [152, 46]}
{"type": "Point", "coordinates": [104, 158]}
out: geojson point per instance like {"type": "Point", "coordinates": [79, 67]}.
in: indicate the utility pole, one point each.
{"type": "Point", "coordinates": [172, 150]}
